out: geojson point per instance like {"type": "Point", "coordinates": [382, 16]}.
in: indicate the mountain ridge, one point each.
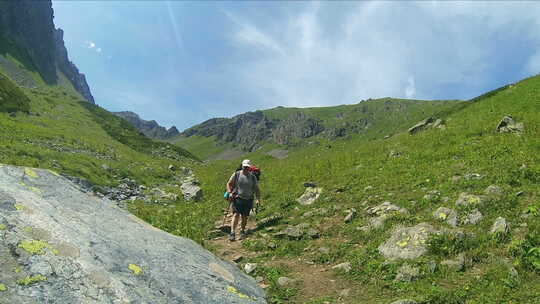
{"type": "Point", "coordinates": [292, 126]}
{"type": "Point", "coordinates": [28, 33]}
{"type": "Point", "coordinates": [149, 128]}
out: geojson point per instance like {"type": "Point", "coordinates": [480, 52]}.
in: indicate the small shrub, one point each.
{"type": "Point", "coordinates": [448, 244]}
{"type": "Point", "coordinates": [528, 250]}
{"type": "Point", "coordinates": [437, 295]}
{"type": "Point", "coordinates": [254, 245]}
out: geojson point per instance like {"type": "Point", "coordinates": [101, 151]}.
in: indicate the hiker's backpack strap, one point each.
{"type": "Point", "coordinates": [236, 176]}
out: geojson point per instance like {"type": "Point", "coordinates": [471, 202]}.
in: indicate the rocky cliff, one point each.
{"type": "Point", "coordinates": [292, 126]}
{"type": "Point", "coordinates": [251, 129]}
{"type": "Point", "coordinates": [69, 69]}
{"type": "Point", "coordinates": [29, 25]}
{"type": "Point", "coordinates": [149, 128]}
{"type": "Point", "coordinates": [61, 245]}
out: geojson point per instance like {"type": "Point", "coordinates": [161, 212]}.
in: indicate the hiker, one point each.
{"type": "Point", "coordinates": [243, 185]}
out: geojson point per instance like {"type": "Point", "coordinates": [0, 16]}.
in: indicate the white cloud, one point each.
{"type": "Point", "coordinates": [251, 35]}
{"type": "Point", "coordinates": [374, 47]}
{"type": "Point", "coordinates": [410, 90]}
{"type": "Point", "coordinates": [533, 64]}
{"type": "Point", "coordinates": [92, 46]}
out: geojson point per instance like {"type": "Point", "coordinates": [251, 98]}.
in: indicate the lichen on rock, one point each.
{"type": "Point", "coordinates": [407, 242]}
{"type": "Point", "coordinates": [31, 280]}
{"type": "Point", "coordinates": [35, 247]}
{"type": "Point", "coordinates": [232, 289]}
{"type": "Point", "coordinates": [135, 268]}
{"type": "Point", "coordinates": [30, 172]}
{"type": "Point", "coordinates": [94, 244]}
{"type": "Point", "coordinates": [310, 195]}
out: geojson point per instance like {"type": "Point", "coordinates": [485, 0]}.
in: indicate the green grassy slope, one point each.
{"type": "Point", "coordinates": [77, 138]}
{"type": "Point", "coordinates": [12, 99]}
{"type": "Point", "coordinates": [52, 127]}
{"type": "Point", "coordinates": [203, 147]}
{"type": "Point", "coordinates": [371, 119]}
{"type": "Point", "coordinates": [431, 160]}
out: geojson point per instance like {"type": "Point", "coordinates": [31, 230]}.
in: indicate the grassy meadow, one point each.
{"type": "Point", "coordinates": [357, 173]}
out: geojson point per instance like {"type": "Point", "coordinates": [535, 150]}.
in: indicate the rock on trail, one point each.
{"type": "Point", "coordinates": [61, 245]}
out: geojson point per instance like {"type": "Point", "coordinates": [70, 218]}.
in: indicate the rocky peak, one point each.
{"type": "Point", "coordinates": [69, 69]}
{"type": "Point", "coordinates": [247, 130]}
{"type": "Point", "coordinates": [250, 129]}
{"type": "Point", "coordinates": [149, 128]}
{"type": "Point", "coordinates": [298, 125]}
{"type": "Point", "coordinates": [29, 25]}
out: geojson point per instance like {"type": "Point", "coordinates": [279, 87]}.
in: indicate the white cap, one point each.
{"type": "Point", "coordinates": [246, 163]}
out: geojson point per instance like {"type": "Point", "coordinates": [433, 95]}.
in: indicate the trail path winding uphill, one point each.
{"type": "Point", "coordinates": [313, 281]}
{"type": "Point", "coordinates": [61, 245]}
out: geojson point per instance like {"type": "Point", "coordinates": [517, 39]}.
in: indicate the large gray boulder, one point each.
{"type": "Point", "coordinates": [421, 125]}
{"type": "Point", "coordinates": [509, 125]}
{"type": "Point", "coordinates": [381, 213]}
{"type": "Point", "coordinates": [61, 245]}
{"type": "Point", "coordinates": [499, 226]}
{"type": "Point", "coordinates": [191, 190]}
{"type": "Point", "coordinates": [473, 217]}
{"type": "Point", "coordinates": [407, 242]}
{"type": "Point", "coordinates": [311, 194]}
{"type": "Point", "coordinates": [447, 215]}
{"type": "Point", "coordinates": [467, 200]}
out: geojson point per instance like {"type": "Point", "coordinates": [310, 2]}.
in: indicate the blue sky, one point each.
{"type": "Point", "coordinates": [181, 63]}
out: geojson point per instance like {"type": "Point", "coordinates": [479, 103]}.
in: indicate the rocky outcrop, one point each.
{"type": "Point", "coordinates": [421, 125]}
{"type": "Point", "coordinates": [509, 125]}
{"type": "Point", "coordinates": [407, 242]}
{"type": "Point", "coordinates": [39, 46]}
{"type": "Point", "coordinates": [61, 245]}
{"type": "Point", "coordinates": [297, 232]}
{"type": "Point", "coordinates": [447, 215]}
{"type": "Point", "coordinates": [149, 128]}
{"type": "Point", "coordinates": [250, 129]}
{"type": "Point", "coordinates": [247, 130]}
{"type": "Point", "coordinates": [296, 126]}
{"type": "Point", "coordinates": [380, 214]}
{"type": "Point", "coordinates": [30, 25]}
{"type": "Point", "coordinates": [69, 69]}
{"type": "Point", "coordinates": [429, 122]}
{"type": "Point", "coordinates": [499, 226]}
{"type": "Point", "coordinates": [465, 199]}
{"type": "Point", "coordinates": [311, 194]}
{"type": "Point", "coordinates": [191, 190]}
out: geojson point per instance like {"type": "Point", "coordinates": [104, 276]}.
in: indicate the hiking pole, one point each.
{"type": "Point", "coordinates": [226, 214]}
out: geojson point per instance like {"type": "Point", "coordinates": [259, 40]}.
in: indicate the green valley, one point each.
{"type": "Point", "coordinates": [463, 262]}
{"type": "Point", "coordinates": [393, 201]}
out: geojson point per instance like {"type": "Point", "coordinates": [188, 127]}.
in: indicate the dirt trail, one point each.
{"type": "Point", "coordinates": [316, 281]}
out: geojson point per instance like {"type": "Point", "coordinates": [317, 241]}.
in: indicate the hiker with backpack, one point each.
{"type": "Point", "coordinates": [243, 187]}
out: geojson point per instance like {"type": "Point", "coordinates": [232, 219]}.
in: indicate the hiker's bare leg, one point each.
{"type": "Point", "coordinates": [234, 222]}
{"type": "Point", "coordinates": [244, 222]}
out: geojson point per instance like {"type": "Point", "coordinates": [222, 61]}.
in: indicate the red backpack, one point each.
{"type": "Point", "coordinates": [255, 171]}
